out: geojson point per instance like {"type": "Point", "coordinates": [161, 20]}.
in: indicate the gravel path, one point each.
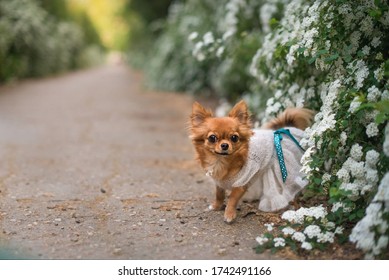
{"type": "Point", "coordinates": [95, 167]}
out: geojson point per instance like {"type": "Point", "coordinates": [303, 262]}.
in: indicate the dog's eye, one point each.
{"type": "Point", "coordinates": [234, 138]}
{"type": "Point", "coordinates": [212, 138]}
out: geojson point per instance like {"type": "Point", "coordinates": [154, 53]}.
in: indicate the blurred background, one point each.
{"type": "Point", "coordinates": [43, 37]}
{"type": "Point", "coordinates": [170, 41]}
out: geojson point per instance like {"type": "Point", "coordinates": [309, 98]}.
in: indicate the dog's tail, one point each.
{"type": "Point", "coordinates": [296, 117]}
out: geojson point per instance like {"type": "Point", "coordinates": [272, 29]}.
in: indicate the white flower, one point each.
{"type": "Point", "coordinates": [352, 188]}
{"type": "Point", "coordinates": [193, 36]}
{"type": "Point", "coordinates": [293, 89]}
{"type": "Point", "coordinates": [356, 152]}
{"type": "Point", "coordinates": [379, 74]}
{"type": "Point", "coordinates": [372, 176]}
{"type": "Point", "coordinates": [269, 227]}
{"type": "Point", "coordinates": [290, 57]}
{"type": "Point", "coordinates": [309, 36]}
{"type": "Point", "coordinates": [306, 246]}
{"type": "Point", "coordinates": [208, 38]}
{"type": "Point", "coordinates": [339, 230]}
{"type": "Point", "coordinates": [289, 215]}
{"type": "Point", "coordinates": [357, 169]}
{"type": "Point", "coordinates": [343, 138]}
{"type": "Point", "coordinates": [298, 236]}
{"type": "Point", "coordinates": [363, 234]}
{"type": "Point", "coordinates": [288, 231]}
{"type": "Point", "coordinates": [361, 73]}
{"type": "Point", "coordinates": [317, 212]}
{"type": "Point", "coordinates": [343, 175]}
{"type": "Point", "coordinates": [381, 245]}
{"type": "Point", "coordinates": [220, 51]}
{"type": "Point", "coordinates": [266, 12]}
{"type": "Point", "coordinates": [354, 105]}
{"type": "Point", "coordinates": [279, 242]}
{"type": "Point", "coordinates": [366, 189]}
{"type": "Point", "coordinates": [348, 163]}
{"type": "Point", "coordinates": [367, 26]}
{"type": "Point", "coordinates": [261, 239]}
{"type": "Point", "coordinates": [330, 225]}
{"type": "Point", "coordinates": [385, 95]}
{"type": "Point", "coordinates": [372, 130]}
{"type": "Point", "coordinates": [330, 97]}
{"type": "Point", "coordinates": [383, 191]}
{"type": "Point", "coordinates": [336, 206]}
{"type": "Point", "coordinates": [354, 39]}
{"type": "Point", "coordinates": [326, 177]}
{"type": "Point", "coordinates": [376, 42]}
{"type": "Point", "coordinates": [366, 50]}
{"type": "Point", "coordinates": [312, 231]}
{"type": "Point", "coordinates": [326, 237]}
{"type": "Point", "coordinates": [373, 94]}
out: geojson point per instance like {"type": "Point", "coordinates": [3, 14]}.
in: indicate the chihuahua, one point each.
{"type": "Point", "coordinates": [250, 162]}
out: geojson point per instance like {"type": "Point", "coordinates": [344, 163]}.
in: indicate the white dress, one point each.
{"type": "Point", "coordinates": [262, 173]}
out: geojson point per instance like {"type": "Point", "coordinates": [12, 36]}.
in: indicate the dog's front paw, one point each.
{"type": "Point", "coordinates": [216, 206]}
{"type": "Point", "coordinates": [229, 215]}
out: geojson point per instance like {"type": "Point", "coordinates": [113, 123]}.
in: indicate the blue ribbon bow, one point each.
{"type": "Point", "coordinates": [280, 155]}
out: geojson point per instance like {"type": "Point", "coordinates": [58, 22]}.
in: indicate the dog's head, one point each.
{"type": "Point", "coordinates": [220, 137]}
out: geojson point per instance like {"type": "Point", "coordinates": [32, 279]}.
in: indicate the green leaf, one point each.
{"type": "Point", "coordinates": [376, 14]}
{"type": "Point", "coordinates": [320, 52]}
{"type": "Point", "coordinates": [347, 58]}
{"type": "Point", "coordinates": [331, 58]}
{"type": "Point", "coordinates": [380, 118]}
{"type": "Point", "coordinates": [273, 23]}
{"type": "Point", "coordinates": [361, 213]}
{"type": "Point", "coordinates": [260, 249]}
{"type": "Point", "coordinates": [317, 181]}
{"type": "Point", "coordinates": [312, 60]}
{"type": "Point", "coordinates": [383, 108]}
{"type": "Point", "coordinates": [334, 192]}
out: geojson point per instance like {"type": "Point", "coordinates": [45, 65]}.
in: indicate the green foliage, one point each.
{"type": "Point", "coordinates": [34, 43]}
{"type": "Point", "coordinates": [207, 47]}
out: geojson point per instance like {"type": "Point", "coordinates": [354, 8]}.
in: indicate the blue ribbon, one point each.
{"type": "Point", "coordinates": [280, 155]}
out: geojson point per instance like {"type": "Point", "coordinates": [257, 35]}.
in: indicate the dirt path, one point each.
{"type": "Point", "coordinates": [94, 167]}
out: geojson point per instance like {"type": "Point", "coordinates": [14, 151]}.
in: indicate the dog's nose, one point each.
{"type": "Point", "coordinates": [224, 146]}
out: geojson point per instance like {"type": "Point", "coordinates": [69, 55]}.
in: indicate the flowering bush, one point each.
{"type": "Point", "coordinates": [33, 43]}
{"type": "Point", "coordinates": [330, 56]}
{"type": "Point", "coordinates": [207, 46]}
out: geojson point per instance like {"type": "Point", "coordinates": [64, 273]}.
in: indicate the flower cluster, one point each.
{"type": "Point", "coordinates": [371, 233]}
{"type": "Point", "coordinates": [309, 236]}
{"type": "Point", "coordinates": [206, 46]}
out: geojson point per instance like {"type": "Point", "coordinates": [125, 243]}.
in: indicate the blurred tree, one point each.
{"type": "Point", "coordinates": [111, 19]}
{"type": "Point", "coordinates": [60, 10]}
{"type": "Point", "coordinates": [151, 10]}
{"type": "Point", "coordinates": [57, 8]}
{"type": "Point", "coordinates": [147, 23]}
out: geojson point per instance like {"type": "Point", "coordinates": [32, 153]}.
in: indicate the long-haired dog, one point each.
{"type": "Point", "coordinates": [250, 162]}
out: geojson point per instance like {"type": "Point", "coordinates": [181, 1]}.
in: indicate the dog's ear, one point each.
{"type": "Point", "coordinates": [240, 112]}
{"type": "Point", "coordinates": [199, 114]}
